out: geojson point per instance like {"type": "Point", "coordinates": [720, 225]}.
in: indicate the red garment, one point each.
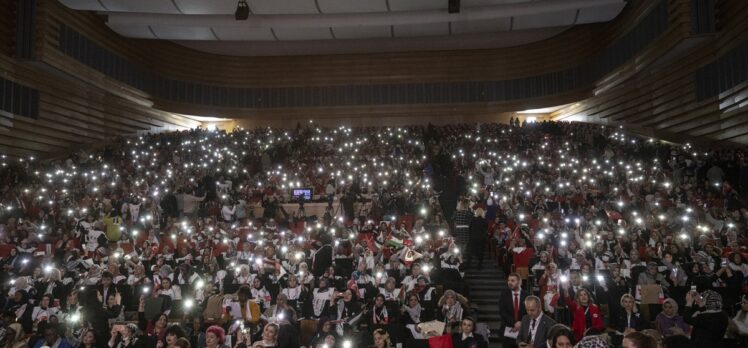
{"type": "Point", "coordinates": [523, 259]}
{"type": "Point", "coordinates": [516, 307]}
{"type": "Point", "coordinates": [444, 341]}
{"type": "Point", "coordinates": [579, 322]}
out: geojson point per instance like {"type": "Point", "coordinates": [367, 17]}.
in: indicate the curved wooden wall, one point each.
{"type": "Point", "coordinates": [71, 111]}
{"type": "Point", "coordinates": [653, 88]}
{"type": "Point", "coordinates": [557, 71]}
{"type": "Point", "coordinates": [699, 95]}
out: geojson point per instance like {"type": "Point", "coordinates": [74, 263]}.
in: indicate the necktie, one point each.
{"type": "Point", "coordinates": [516, 307]}
{"type": "Point", "coordinates": [532, 330]}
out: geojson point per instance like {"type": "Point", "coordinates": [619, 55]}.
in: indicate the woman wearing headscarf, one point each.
{"type": "Point", "coordinates": [704, 313]}
{"type": "Point", "coordinates": [669, 322]}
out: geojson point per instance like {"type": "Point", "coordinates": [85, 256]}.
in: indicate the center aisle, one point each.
{"type": "Point", "coordinates": [485, 286]}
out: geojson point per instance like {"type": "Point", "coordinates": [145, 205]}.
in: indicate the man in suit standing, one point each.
{"type": "Point", "coordinates": [477, 238]}
{"type": "Point", "coordinates": [512, 308]}
{"type": "Point", "coordinates": [535, 325]}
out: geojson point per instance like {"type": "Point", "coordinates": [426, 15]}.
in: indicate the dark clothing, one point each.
{"type": "Point", "coordinates": [506, 311]}
{"type": "Point", "coordinates": [462, 219]}
{"type": "Point", "coordinates": [635, 322]}
{"type": "Point", "coordinates": [708, 327]}
{"type": "Point", "coordinates": [541, 328]}
{"type": "Point", "coordinates": [288, 336]}
{"type": "Point", "coordinates": [475, 341]}
{"type": "Point", "coordinates": [322, 260]}
{"type": "Point", "coordinates": [169, 205]}
{"type": "Point", "coordinates": [477, 240]}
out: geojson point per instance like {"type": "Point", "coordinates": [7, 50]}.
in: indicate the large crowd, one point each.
{"type": "Point", "coordinates": [197, 239]}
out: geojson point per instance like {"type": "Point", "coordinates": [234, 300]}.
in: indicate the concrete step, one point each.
{"type": "Point", "coordinates": [487, 297]}
{"type": "Point", "coordinates": [484, 318]}
{"type": "Point", "coordinates": [485, 286]}
{"type": "Point", "coordinates": [484, 275]}
{"type": "Point", "coordinates": [494, 287]}
{"type": "Point", "coordinates": [490, 283]}
{"type": "Point", "coordinates": [493, 300]}
{"type": "Point", "coordinates": [485, 269]}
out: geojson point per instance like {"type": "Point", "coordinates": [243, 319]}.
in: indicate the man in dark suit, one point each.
{"type": "Point", "coordinates": [512, 307]}
{"type": "Point", "coordinates": [535, 325]}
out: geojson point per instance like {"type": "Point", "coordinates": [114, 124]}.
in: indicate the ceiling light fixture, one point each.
{"type": "Point", "coordinates": [242, 11]}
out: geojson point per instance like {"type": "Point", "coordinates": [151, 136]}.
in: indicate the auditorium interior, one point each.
{"type": "Point", "coordinates": [378, 173]}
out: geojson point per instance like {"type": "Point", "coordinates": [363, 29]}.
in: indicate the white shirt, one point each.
{"type": "Point", "coordinates": [742, 325]}
{"type": "Point", "coordinates": [228, 212]}
{"type": "Point", "coordinates": [534, 329]}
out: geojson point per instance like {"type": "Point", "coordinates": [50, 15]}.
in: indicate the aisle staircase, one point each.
{"type": "Point", "coordinates": [485, 286]}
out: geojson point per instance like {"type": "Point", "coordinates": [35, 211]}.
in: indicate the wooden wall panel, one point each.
{"type": "Point", "coordinates": [664, 100]}
{"type": "Point", "coordinates": [500, 79]}
{"type": "Point", "coordinates": [577, 45]}
{"type": "Point", "coordinates": [75, 107]}
{"type": "Point", "coordinates": [72, 113]}
{"type": "Point", "coordinates": [654, 91]}
{"type": "Point", "coordinates": [7, 30]}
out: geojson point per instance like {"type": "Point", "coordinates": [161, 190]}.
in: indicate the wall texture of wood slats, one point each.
{"type": "Point", "coordinates": [526, 75]}
{"type": "Point", "coordinates": [654, 90]}
{"type": "Point", "coordinates": [7, 29]}
{"type": "Point", "coordinates": [569, 49]}
{"type": "Point", "coordinates": [72, 111]}
{"type": "Point", "coordinates": [699, 95]}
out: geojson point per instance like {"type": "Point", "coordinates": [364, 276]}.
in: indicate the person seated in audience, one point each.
{"type": "Point", "coordinates": [14, 337]}
{"type": "Point", "coordinates": [466, 336]}
{"type": "Point", "coordinates": [128, 336]}
{"type": "Point", "coordinates": [740, 321]}
{"type": "Point", "coordinates": [629, 319]}
{"type": "Point", "coordinates": [173, 334]}
{"type": "Point", "coordinates": [669, 322]}
{"type": "Point", "coordinates": [535, 324]}
{"type": "Point", "coordinates": [89, 340]}
{"type": "Point", "coordinates": [638, 340]}
{"type": "Point", "coordinates": [585, 314]}
{"type": "Point", "coordinates": [560, 336]}
{"type": "Point", "coordinates": [381, 339]}
{"type": "Point", "coordinates": [451, 309]}
{"type": "Point", "coordinates": [215, 337]}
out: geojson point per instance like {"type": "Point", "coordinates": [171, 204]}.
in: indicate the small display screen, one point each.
{"type": "Point", "coordinates": [304, 193]}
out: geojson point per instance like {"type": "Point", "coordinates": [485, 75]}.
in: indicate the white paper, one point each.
{"type": "Point", "coordinates": [236, 311]}
{"type": "Point", "coordinates": [508, 332]}
{"type": "Point", "coordinates": [417, 335]}
{"type": "Point", "coordinates": [434, 325]}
